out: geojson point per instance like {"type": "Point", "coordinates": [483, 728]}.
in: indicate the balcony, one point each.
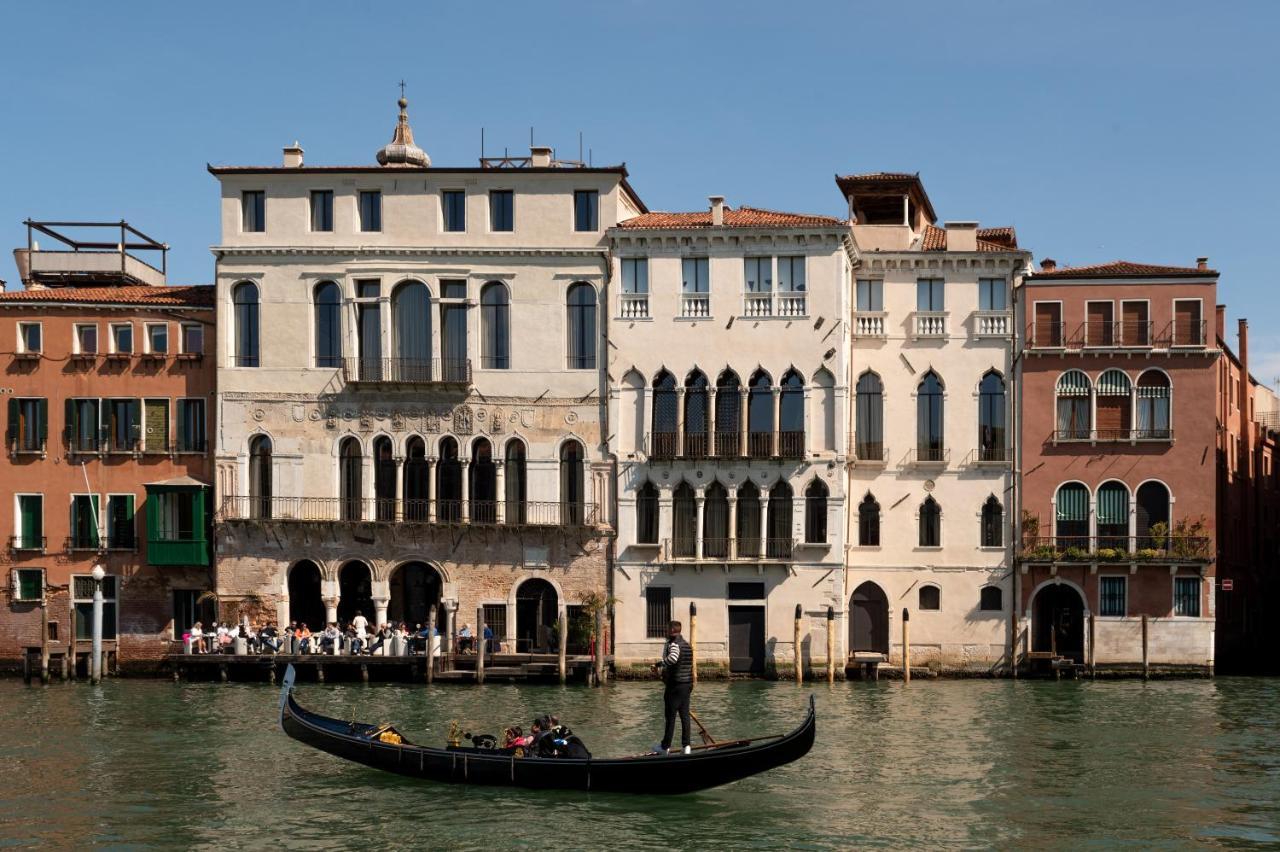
{"type": "Point", "coordinates": [992, 324]}
{"type": "Point", "coordinates": [1163, 550]}
{"type": "Point", "coordinates": [728, 550]}
{"type": "Point", "coordinates": [784, 304]}
{"type": "Point", "coordinates": [480, 513]}
{"type": "Point", "coordinates": [695, 306]}
{"type": "Point", "coordinates": [929, 457]}
{"type": "Point", "coordinates": [407, 371]}
{"type": "Point", "coordinates": [929, 325]}
{"type": "Point", "coordinates": [992, 456]}
{"type": "Point", "coordinates": [869, 324]}
{"type": "Point", "coordinates": [634, 306]}
{"type": "Point", "coordinates": [1186, 334]}
{"type": "Point", "coordinates": [1081, 435]}
{"type": "Point", "coordinates": [92, 254]}
{"type": "Point", "coordinates": [668, 446]}
{"type": "Point", "coordinates": [27, 543]}
{"type": "Point", "coordinates": [869, 453]}
{"type": "Point", "coordinates": [1047, 335]}
{"type": "Point", "coordinates": [793, 305]}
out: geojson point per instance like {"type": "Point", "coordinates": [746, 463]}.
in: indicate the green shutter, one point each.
{"type": "Point", "coordinates": [1113, 505]}
{"type": "Point", "coordinates": [11, 434]}
{"type": "Point", "coordinates": [1073, 503]}
{"type": "Point", "coordinates": [42, 421]}
{"type": "Point", "coordinates": [30, 508]}
{"type": "Point", "coordinates": [69, 422]}
{"type": "Point", "coordinates": [1113, 383]}
{"type": "Point", "coordinates": [1073, 383]}
{"type": "Point", "coordinates": [96, 508]}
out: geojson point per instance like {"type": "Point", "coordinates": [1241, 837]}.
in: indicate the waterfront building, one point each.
{"type": "Point", "coordinates": [930, 464]}
{"type": "Point", "coordinates": [107, 394]}
{"type": "Point", "coordinates": [411, 406]}
{"type": "Point", "coordinates": [1118, 523]}
{"type": "Point", "coordinates": [728, 382]}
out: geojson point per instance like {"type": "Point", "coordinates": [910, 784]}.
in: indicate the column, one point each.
{"type": "Point", "coordinates": [700, 501]}
{"type": "Point", "coordinates": [367, 511]}
{"type": "Point", "coordinates": [330, 610]}
{"type": "Point", "coordinates": [711, 421]}
{"type": "Point", "coordinates": [733, 525]}
{"type": "Point", "coordinates": [777, 414]}
{"type": "Point", "coordinates": [764, 523]}
{"type": "Point", "coordinates": [664, 515]}
{"type": "Point", "coordinates": [500, 491]}
{"type": "Point", "coordinates": [680, 421]}
{"type": "Point", "coordinates": [380, 611]}
{"type": "Point", "coordinates": [399, 516]}
{"type": "Point", "coordinates": [742, 421]}
{"type": "Point", "coordinates": [466, 490]}
{"type": "Point", "coordinates": [431, 489]}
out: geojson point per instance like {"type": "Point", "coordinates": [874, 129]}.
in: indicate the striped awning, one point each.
{"type": "Point", "coordinates": [1147, 392]}
{"type": "Point", "coordinates": [1073, 503]}
{"type": "Point", "coordinates": [1114, 383]}
{"type": "Point", "coordinates": [1073, 383]}
{"type": "Point", "coordinates": [1113, 504]}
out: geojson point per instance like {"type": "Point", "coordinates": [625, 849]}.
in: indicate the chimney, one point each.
{"type": "Point", "coordinates": [1244, 349]}
{"type": "Point", "coordinates": [962, 236]}
{"type": "Point", "coordinates": [1202, 263]}
{"type": "Point", "coordinates": [293, 156]}
{"type": "Point", "coordinates": [1221, 322]}
{"type": "Point", "coordinates": [717, 209]}
{"type": "Point", "coordinates": [1048, 264]}
{"type": "Point", "coordinates": [539, 157]}
{"type": "Point", "coordinates": [22, 260]}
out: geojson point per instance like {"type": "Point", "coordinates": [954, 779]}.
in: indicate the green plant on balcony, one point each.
{"type": "Point", "coordinates": [1147, 553]}
{"type": "Point", "coordinates": [1190, 540]}
{"type": "Point", "coordinates": [1075, 553]}
{"type": "Point", "coordinates": [1110, 554]}
{"type": "Point", "coordinates": [1030, 530]}
{"type": "Point", "coordinates": [1042, 553]}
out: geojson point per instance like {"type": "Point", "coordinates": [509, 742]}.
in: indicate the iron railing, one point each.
{"type": "Point", "coordinates": [1117, 548]}
{"type": "Point", "coordinates": [393, 511]}
{"type": "Point", "coordinates": [668, 446]}
{"type": "Point", "coordinates": [729, 549]}
{"type": "Point", "coordinates": [407, 371]}
{"type": "Point", "coordinates": [28, 542]}
{"type": "Point", "coordinates": [1111, 436]}
{"type": "Point", "coordinates": [929, 456]}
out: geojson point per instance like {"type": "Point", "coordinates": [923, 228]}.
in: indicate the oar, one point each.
{"type": "Point", "coordinates": [707, 739]}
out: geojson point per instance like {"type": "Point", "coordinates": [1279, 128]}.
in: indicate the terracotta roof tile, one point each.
{"type": "Point", "coordinates": [989, 239]}
{"type": "Point", "coordinates": [743, 217]}
{"type": "Point", "coordinates": [188, 296]}
{"type": "Point", "coordinates": [1125, 269]}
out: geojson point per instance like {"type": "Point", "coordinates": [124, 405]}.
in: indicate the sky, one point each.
{"type": "Point", "coordinates": [1100, 130]}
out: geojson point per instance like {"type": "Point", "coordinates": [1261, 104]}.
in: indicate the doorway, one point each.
{"type": "Point", "coordinates": [305, 604]}
{"type": "Point", "coordinates": [746, 640]}
{"type": "Point", "coordinates": [1058, 622]}
{"type": "Point", "coordinates": [415, 588]}
{"type": "Point", "coordinates": [355, 592]}
{"type": "Point", "coordinates": [869, 620]}
{"type": "Point", "coordinates": [537, 609]}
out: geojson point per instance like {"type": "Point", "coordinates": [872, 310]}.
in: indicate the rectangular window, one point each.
{"type": "Point", "coordinates": [635, 275]}
{"type": "Point", "coordinates": [29, 585]}
{"type": "Point", "coordinates": [322, 209]}
{"type": "Point", "coordinates": [929, 294]}
{"type": "Point", "coordinates": [747, 591]}
{"type": "Point", "coordinates": [695, 276]}
{"type": "Point", "coordinates": [370, 210]}
{"type": "Point", "coordinates": [1186, 596]}
{"type": "Point", "coordinates": [29, 338]}
{"type": "Point", "coordinates": [82, 590]}
{"type": "Point", "coordinates": [791, 274]}
{"type": "Point", "coordinates": [1099, 328]}
{"type": "Point", "coordinates": [453, 289]}
{"type": "Point", "coordinates": [28, 426]}
{"type": "Point", "coordinates": [155, 426]}
{"type": "Point", "coordinates": [84, 522]}
{"type": "Point", "coordinates": [124, 420]}
{"type": "Point", "coordinates": [191, 435]}
{"type": "Point", "coordinates": [253, 211]}
{"type": "Point", "coordinates": [29, 529]}
{"type": "Point", "coordinates": [86, 340]}
{"type": "Point", "coordinates": [1188, 329]}
{"type": "Point", "coordinates": [1135, 330]}
{"type": "Point", "coordinates": [120, 522]}
{"type": "Point", "coordinates": [1047, 330]}
{"type": "Point", "coordinates": [454, 204]}
{"type": "Point", "coordinates": [192, 339]}
{"type": "Point", "coordinates": [83, 423]}
{"type": "Point", "coordinates": [175, 516]}
{"type": "Point", "coordinates": [502, 210]}
{"type": "Point", "coordinates": [870, 294]}
{"type": "Point", "coordinates": [122, 339]}
{"type": "Point", "coordinates": [158, 339]}
{"type": "Point", "coordinates": [992, 294]}
{"type": "Point", "coordinates": [759, 274]}
{"type": "Point", "coordinates": [495, 618]}
{"type": "Point", "coordinates": [657, 611]}
{"type": "Point", "coordinates": [1112, 596]}
{"type": "Point", "coordinates": [586, 210]}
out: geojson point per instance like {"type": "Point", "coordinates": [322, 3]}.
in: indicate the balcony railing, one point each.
{"type": "Point", "coordinates": [1047, 335]}
{"type": "Point", "coordinates": [1111, 436]}
{"type": "Point", "coordinates": [929, 456]}
{"type": "Point", "coordinates": [729, 549]}
{"type": "Point", "coordinates": [1186, 333]}
{"type": "Point", "coordinates": [792, 305]}
{"type": "Point", "coordinates": [993, 455]}
{"type": "Point", "coordinates": [668, 446]}
{"type": "Point", "coordinates": [32, 543]}
{"type": "Point", "coordinates": [695, 306]}
{"type": "Point", "coordinates": [869, 452]}
{"type": "Point", "coordinates": [1123, 548]}
{"type": "Point", "coordinates": [634, 306]}
{"type": "Point", "coordinates": [536, 513]}
{"type": "Point", "coordinates": [929, 324]}
{"type": "Point", "coordinates": [407, 371]}
{"type": "Point", "coordinates": [757, 305]}
{"type": "Point", "coordinates": [992, 324]}
{"type": "Point", "coordinates": [869, 323]}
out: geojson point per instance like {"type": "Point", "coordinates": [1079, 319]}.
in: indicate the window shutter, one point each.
{"type": "Point", "coordinates": [42, 421]}
{"type": "Point", "coordinates": [95, 520]}
{"type": "Point", "coordinates": [11, 434]}
{"type": "Point", "coordinates": [135, 421]}
{"type": "Point", "coordinates": [69, 420]}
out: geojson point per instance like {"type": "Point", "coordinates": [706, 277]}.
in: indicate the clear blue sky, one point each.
{"type": "Point", "coordinates": [1143, 130]}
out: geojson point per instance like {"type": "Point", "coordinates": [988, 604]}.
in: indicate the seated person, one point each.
{"type": "Point", "coordinates": [380, 638]}
{"type": "Point", "coordinates": [303, 635]}
{"type": "Point", "coordinates": [329, 638]}
{"type": "Point", "coordinates": [466, 641]}
{"type": "Point", "coordinates": [198, 645]}
{"type": "Point", "coordinates": [355, 639]}
{"type": "Point", "coordinates": [268, 637]}
{"type": "Point", "coordinates": [515, 737]}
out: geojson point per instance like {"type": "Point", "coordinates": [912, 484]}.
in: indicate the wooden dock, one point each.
{"type": "Point", "coordinates": [458, 668]}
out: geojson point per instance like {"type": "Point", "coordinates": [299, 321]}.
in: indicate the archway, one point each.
{"type": "Point", "coordinates": [355, 588]}
{"type": "Point", "coordinates": [305, 604]}
{"type": "Point", "coordinates": [537, 608]}
{"type": "Point", "coordinates": [869, 620]}
{"type": "Point", "coordinates": [415, 588]}
{"type": "Point", "coordinates": [1057, 622]}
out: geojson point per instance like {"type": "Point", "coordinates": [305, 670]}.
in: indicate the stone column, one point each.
{"type": "Point", "coordinates": [380, 610]}
{"type": "Point", "coordinates": [664, 514]}
{"type": "Point", "coordinates": [733, 526]}
{"type": "Point", "coordinates": [711, 421]}
{"type": "Point", "coordinates": [700, 501]}
{"type": "Point", "coordinates": [367, 511]}
{"type": "Point", "coordinates": [680, 421]}
{"type": "Point", "coordinates": [431, 489]}
{"type": "Point", "coordinates": [399, 498]}
{"type": "Point", "coordinates": [764, 523]}
{"type": "Point", "coordinates": [330, 610]}
{"type": "Point", "coordinates": [500, 491]}
{"type": "Point", "coordinates": [466, 489]}
{"type": "Point", "coordinates": [743, 399]}
{"type": "Point", "coordinates": [776, 443]}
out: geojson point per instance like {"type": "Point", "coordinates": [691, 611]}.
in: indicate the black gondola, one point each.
{"type": "Point", "coordinates": [707, 766]}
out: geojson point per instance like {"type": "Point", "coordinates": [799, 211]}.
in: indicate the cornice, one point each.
{"type": "Point", "coordinates": [423, 252]}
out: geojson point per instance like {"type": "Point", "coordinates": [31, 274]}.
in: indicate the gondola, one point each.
{"type": "Point", "coordinates": [382, 747]}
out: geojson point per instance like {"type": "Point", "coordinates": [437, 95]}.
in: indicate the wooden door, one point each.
{"type": "Point", "coordinates": [869, 620]}
{"type": "Point", "coordinates": [746, 639]}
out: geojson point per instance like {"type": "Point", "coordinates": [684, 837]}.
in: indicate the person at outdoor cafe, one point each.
{"type": "Point", "coordinates": [422, 637]}
{"type": "Point", "coordinates": [380, 638]}
{"type": "Point", "coordinates": [303, 634]}
{"type": "Point", "coordinates": [268, 637]}
{"type": "Point", "coordinates": [489, 645]}
{"type": "Point", "coordinates": [466, 641]}
{"type": "Point", "coordinates": [198, 645]}
{"type": "Point", "coordinates": [329, 638]}
{"type": "Point", "coordinates": [355, 638]}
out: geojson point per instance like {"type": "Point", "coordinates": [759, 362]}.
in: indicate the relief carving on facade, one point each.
{"type": "Point", "coordinates": [462, 420]}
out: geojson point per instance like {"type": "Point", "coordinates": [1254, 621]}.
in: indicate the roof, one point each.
{"type": "Point", "coordinates": [882, 182]}
{"type": "Point", "coordinates": [186, 296]}
{"type": "Point", "coordinates": [742, 217]}
{"type": "Point", "coordinates": [989, 239]}
{"type": "Point", "coordinates": [177, 482]}
{"type": "Point", "coordinates": [1126, 269]}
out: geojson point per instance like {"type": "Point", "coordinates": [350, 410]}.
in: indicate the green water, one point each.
{"type": "Point", "coordinates": [955, 763]}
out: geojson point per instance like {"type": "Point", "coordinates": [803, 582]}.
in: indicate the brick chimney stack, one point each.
{"type": "Point", "coordinates": [1202, 263]}
{"type": "Point", "coordinates": [717, 209]}
{"type": "Point", "coordinates": [1048, 264]}
{"type": "Point", "coordinates": [1222, 322]}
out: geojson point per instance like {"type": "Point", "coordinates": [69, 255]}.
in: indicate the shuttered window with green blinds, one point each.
{"type": "Point", "coordinates": [1072, 508]}
{"type": "Point", "coordinates": [84, 522]}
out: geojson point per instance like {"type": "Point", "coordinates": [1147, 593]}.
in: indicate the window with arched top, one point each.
{"type": "Point", "coordinates": [449, 481]}
{"type": "Point", "coordinates": [992, 438]}
{"type": "Point", "coordinates": [823, 411]}
{"type": "Point", "coordinates": [1152, 510]}
{"type": "Point", "coordinates": [417, 487]}
{"type": "Point", "coordinates": [684, 522]}
{"type": "Point", "coordinates": [260, 477]}
{"type": "Point", "coordinates": [930, 523]}
{"type": "Point", "coordinates": [1074, 421]}
{"type": "Point", "coordinates": [581, 303]}
{"type": "Point", "coordinates": [815, 512]}
{"type": "Point", "coordinates": [482, 488]}
{"type": "Point", "coordinates": [760, 416]}
{"type": "Point", "coordinates": [929, 438]}
{"type": "Point", "coordinates": [991, 599]}
{"type": "Point", "coordinates": [749, 524]}
{"type": "Point", "coordinates": [495, 326]}
{"type": "Point", "coordinates": [1112, 420]}
{"type": "Point", "coordinates": [244, 300]}
{"type": "Point", "coordinates": [647, 514]}
{"type": "Point", "coordinates": [869, 522]}
{"type": "Point", "coordinates": [791, 416]}
{"type": "Point", "coordinates": [665, 416]}
{"type": "Point", "coordinates": [515, 482]}
{"type": "Point", "coordinates": [384, 480]}
{"type": "Point", "coordinates": [328, 316]}
{"type": "Point", "coordinates": [715, 522]}
{"type": "Point", "coordinates": [930, 598]}
{"type": "Point", "coordinates": [992, 523]}
{"type": "Point", "coordinates": [411, 324]}
{"type": "Point", "coordinates": [573, 499]}
{"type": "Point", "coordinates": [728, 415]}
{"type": "Point", "coordinates": [1153, 404]}
{"type": "Point", "coordinates": [350, 480]}
{"type": "Point", "coordinates": [695, 415]}
{"type": "Point", "coordinates": [1071, 516]}
{"type": "Point", "coordinates": [869, 418]}
{"type": "Point", "coordinates": [1113, 516]}
{"type": "Point", "coordinates": [779, 541]}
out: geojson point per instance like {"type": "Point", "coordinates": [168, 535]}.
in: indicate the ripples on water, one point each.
{"type": "Point", "coordinates": [938, 763]}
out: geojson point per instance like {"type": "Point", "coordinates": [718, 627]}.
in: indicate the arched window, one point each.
{"type": "Point", "coordinates": [1152, 509]}
{"type": "Point", "coordinates": [715, 522]}
{"type": "Point", "coordinates": [815, 512]}
{"type": "Point", "coordinates": [350, 479]}
{"type": "Point", "coordinates": [684, 522]}
{"type": "Point", "coordinates": [384, 480]}
{"type": "Point", "coordinates": [1154, 395]}
{"type": "Point", "coordinates": [244, 298]}
{"type": "Point", "coordinates": [417, 486]}
{"type": "Point", "coordinates": [791, 416]}
{"type": "Point", "coordinates": [582, 327]}
{"type": "Point", "coordinates": [647, 514]}
{"type": "Point", "coordinates": [695, 415]}
{"type": "Point", "coordinates": [760, 416]}
{"type": "Point", "coordinates": [930, 523]}
{"type": "Point", "coordinates": [411, 319]}
{"type": "Point", "coordinates": [449, 482]}
{"type": "Point", "coordinates": [930, 598]}
{"type": "Point", "coordinates": [748, 525]}
{"type": "Point", "coordinates": [779, 541]}
{"type": "Point", "coordinates": [328, 309]}
{"type": "Point", "coordinates": [1114, 405]}
{"type": "Point", "coordinates": [728, 415]}
{"type": "Point", "coordinates": [869, 423]}
{"type": "Point", "coordinates": [495, 326]}
{"type": "Point", "coordinates": [992, 444]}
{"type": "Point", "coordinates": [665, 414]}
{"type": "Point", "coordinates": [992, 523]}
{"type": "Point", "coordinates": [823, 411]}
{"type": "Point", "coordinates": [1074, 423]}
{"type": "Point", "coordinates": [929, 441]}
{"type": "Point", "coordinates": [515, 482]}
{"type": "Point", "coordinates": [483, 487]}
{"type": "Point", "coordinates": [572, 487]}
{"type": "Point", "coordinates": [1071, 516]}
{"type": "Point", "coordinates": [260, 477]}
{"type": "Point", "coordinates": [868, 522]}
{"type": "Point", "coordinates": [1113, 516]}
{"type": "Point", "coordinates": [991, 599]}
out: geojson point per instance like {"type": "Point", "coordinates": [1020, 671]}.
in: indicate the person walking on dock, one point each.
{"type": "Point", "coordinates": [676, 666]}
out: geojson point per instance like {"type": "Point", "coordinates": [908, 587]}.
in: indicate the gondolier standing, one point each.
{"type": "Point", "coordinates": [677, 673]}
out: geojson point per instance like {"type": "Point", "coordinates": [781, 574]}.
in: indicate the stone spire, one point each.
{"type": "Point", "coordinates": [401, 151]}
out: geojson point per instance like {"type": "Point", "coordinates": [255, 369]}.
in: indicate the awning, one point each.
{"type": "Point", "coordinates": [1073, 383]}
{"type": "Point", "coordinates": [1073, 503]}
{"type": "Point", "coordinates": [1113, 383]}
{"type": "Point", "coordinates": [1113, 504]}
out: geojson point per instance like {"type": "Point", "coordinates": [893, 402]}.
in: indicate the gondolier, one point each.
{"type": "Point", "coordinates": [676, 666]}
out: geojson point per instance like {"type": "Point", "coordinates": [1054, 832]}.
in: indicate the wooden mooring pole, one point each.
{"type": "Point", "coordinates": [562, 629]}
{"type": "Point", "coordinates": [799, 654]}
{"type": "Point", "coordinates": [479, 644]}
{"type": "Point", "coordinates": [906, 645]}
{"type": "Point", "coordinates": [1146, 649]}
{"type": "Point", "coordinates": [599, 668]}
{"type": "Point", "coordinates": [693, 639]}
{"type": "Point", "coordinates": [831, 644]}
{"type": "Point", "coordinates": [431, 641]}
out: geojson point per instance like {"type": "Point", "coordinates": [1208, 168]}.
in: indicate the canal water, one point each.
{"type": "Point", "coordinates": [137, 764]}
